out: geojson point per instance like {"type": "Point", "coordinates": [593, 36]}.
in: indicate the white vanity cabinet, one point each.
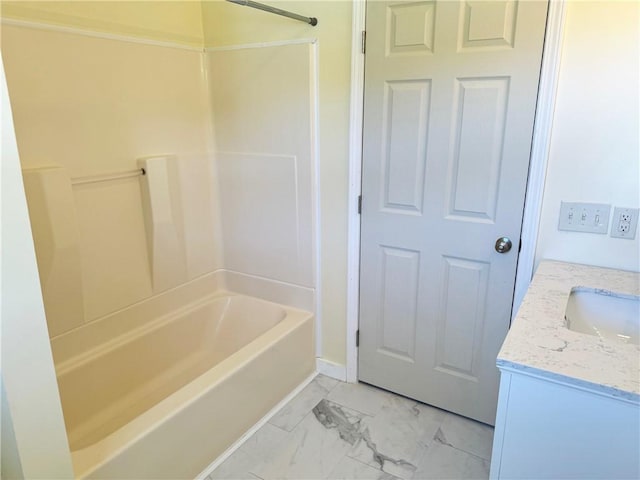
{"type": "Point", "coordinates": [569, 402]}
{"type": "Point", "coordinates": [551, 430]}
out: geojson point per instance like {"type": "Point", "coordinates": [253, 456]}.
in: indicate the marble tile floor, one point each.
{"type": "Point", "coordinates": [334, 430]}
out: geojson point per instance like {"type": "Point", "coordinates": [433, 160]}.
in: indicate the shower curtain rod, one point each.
{"type": "Point", "coordinates": [261, 6]}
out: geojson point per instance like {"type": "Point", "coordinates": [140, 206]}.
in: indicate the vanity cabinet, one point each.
{"type": "Point", "coordinates": [569, 401]}
{"type": "Point", "coordinates": [548, 429]}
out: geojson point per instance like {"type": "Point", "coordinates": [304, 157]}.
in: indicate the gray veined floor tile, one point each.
{"type": "Point", "coordinates": [314, 448]}
{"type": "Point", "coordinates": [354, 431]}
{"type": "Point", "coordinates": [444, 462]}
{"type": "Point", "coordinates": [398, 436]}
{"type": "Point", "coordinates": [360, 397]}
{"type": "Point", "coordinates": [300, 406]}
{"type": "Point", "coordinates": [258, 448]}
{"type": "Point", "coordinates": [326, 382]}
{"type": "Point", "coordinates": [350, 469]}
{"type": "Point", "coordinates": [465, 434]}
{"type": "Point", "coordinates": [262, 445]}
{"type": "Point", "coordinates": [236, 467]}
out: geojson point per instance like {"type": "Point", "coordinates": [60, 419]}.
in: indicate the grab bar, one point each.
{"type": "Point", "coordinates": [107, 177]}
{"type": "Point", "coordinates": [266, 8]}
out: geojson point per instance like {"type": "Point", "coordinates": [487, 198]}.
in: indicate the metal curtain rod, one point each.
{"type": "Point", "coordinates": [313, 21]}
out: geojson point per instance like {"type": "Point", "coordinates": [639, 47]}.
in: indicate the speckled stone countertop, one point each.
{"type": "Point", "coordinates": [539, 343]}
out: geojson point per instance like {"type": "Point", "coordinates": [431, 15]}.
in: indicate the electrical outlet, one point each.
{"type": "Point", "coordinates": [624, 223]}
{"type": "Point", "coordinates": [584, 217]}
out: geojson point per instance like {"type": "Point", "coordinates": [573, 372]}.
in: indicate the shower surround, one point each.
{"type": "Point", "coordinates": [174, 216]}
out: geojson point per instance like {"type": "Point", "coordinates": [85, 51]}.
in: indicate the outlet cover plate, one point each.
{"type": "Point", "coordinates": [584, 217]}
{"type": "Point", "coordinates": [620, 227]}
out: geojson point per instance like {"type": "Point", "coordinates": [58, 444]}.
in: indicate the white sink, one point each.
{"type": "Point", "coordinates": [608, 315]}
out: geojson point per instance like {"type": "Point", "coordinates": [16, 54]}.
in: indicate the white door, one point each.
{"type": "Point", "coordinates": [450, 95]}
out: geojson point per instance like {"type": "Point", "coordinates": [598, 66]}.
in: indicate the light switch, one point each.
{"type": "Point", "coordinates": [584, 217]}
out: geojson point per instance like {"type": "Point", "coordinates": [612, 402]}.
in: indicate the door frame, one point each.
{"type": "Point", "coordinates": [541, 143]}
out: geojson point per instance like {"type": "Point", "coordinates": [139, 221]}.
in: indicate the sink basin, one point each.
{"type": "Point", "coordinates": [608, 315]}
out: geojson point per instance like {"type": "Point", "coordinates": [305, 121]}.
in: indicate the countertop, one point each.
{"type": "Point", "coordinates": [539, 344]}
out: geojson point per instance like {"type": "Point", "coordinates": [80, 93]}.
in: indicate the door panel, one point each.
{"type": "Point", "coordinates": [480, 105]}
{"type": "Point", "coordinates": [411, 28]}
{"type": "Point", "coordinates": [450, 94]}
{"type": "Point", "coordinates": [399, 296]}
{"type": "Point", "coordinates": [460, 324]}
{"type": "Point", "coordinates": [407, 103]}
{"type": "Point", "coordinates": [488, 24]}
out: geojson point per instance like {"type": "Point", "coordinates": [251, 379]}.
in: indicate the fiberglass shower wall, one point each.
{"type": "Point", "coordinates": [264, 109]}
{"type": "Point", "coordinates": [85, 106]}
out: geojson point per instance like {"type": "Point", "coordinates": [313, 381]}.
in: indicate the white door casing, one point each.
{"type": "Point", "coordinates": [450, 96]}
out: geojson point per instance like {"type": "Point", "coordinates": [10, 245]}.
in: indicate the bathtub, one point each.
{"type": "Point", "coordinates": [165, 397]}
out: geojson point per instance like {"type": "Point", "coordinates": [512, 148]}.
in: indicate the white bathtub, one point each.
{"type": "Point", "coordinates": [164, 398]}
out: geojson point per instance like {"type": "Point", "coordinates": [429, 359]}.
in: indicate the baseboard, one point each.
{"type": "Point", "coordinates": [331, 369]}
{"type": "Point", "coordinates": [229, 451]}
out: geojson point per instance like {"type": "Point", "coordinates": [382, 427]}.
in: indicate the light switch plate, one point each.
{"type": "Point", "coordinates": [624, 223]}
{"type": "Point", "coordinates": [584, 217]}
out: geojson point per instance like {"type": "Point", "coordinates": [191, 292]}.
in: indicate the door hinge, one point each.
{"type": "Point", "coordinates": [359, 204]}
{"type": "Point", "coordinates": [357, 338]}
{"type": "Point", "coordinates": [364, 41]}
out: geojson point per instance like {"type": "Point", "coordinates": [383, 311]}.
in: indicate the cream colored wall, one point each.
{"type": "Point", "coordinates": [174, 21]}
{"type": "Point", "coordinates": [595, 151]}
{"type": "Point", "coordinates": [34, 440]}
{"type": "Point", "coordinates": [227, 24]}
{"type": "Point", "coordinates": [93, 106]}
